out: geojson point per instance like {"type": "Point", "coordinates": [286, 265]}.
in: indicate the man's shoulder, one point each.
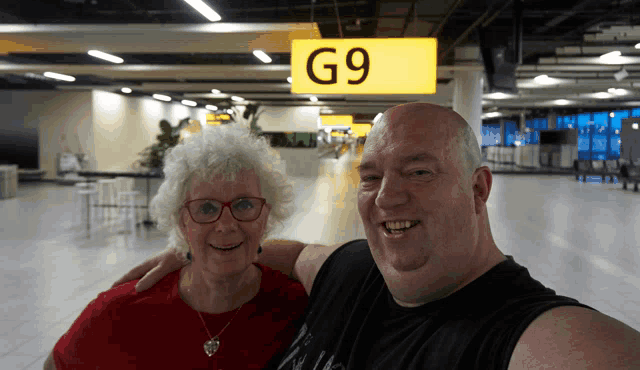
{"type": "Point", "coordinates": [571, 337]}
{"type": "Point", "coordinates": [121, 295]}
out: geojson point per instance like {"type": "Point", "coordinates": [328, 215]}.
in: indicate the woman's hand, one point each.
{"type": "Point", "coordinates": [153, 270]}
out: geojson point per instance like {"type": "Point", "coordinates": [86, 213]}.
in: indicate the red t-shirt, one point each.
{"type": "Point", "coordinates": [156, 329]}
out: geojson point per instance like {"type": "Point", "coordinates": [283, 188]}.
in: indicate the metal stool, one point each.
{"type": "Point", "coordinates": [127, 210]}
{"type": "Point", "coordinates": [90, 199]}
{"type": "Point", "coordinates": [107, 199]}
{"type": "Point", "coordinates": [77, 199]}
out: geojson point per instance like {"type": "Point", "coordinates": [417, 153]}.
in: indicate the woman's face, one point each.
{"type": "Point", "coordinates": [227, 246]}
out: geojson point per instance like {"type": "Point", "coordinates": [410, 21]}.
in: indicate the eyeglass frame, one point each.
{"type": "Point", "coordinates": [225, 204]}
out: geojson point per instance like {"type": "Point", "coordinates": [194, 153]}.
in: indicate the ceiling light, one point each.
{"type": "Point", "coordinates": [190, 103]}
{"type": "Point", "coordinates": [638, 45]}
{"type": "Point", "coordinates": [161, 97]}
{"type": "Point", "coordinates": [105, 56]}
{"type": "Point", "coordinates": [313, 99]}
{"type": "Point", "coordinates": [544, 80]}
{"type": "Point", "coordinates": [602, 95]}
{"type": "Point", "coordinates": [378, 116]}
{"type": "Point", "coordinates": [59, 76]}
{"type": "Point", "coordinates": [230, 111]}
{"type": "Point", "coordinates": [493, 114]}
{"type": "Point", "coordinates": [497, 95]}
{"type": "Point", "coordinates": [215, 91]}
{"type": "Point", "coordinates": [634, 126]}
{"type": "Point", "coordinates": [611, 90]}
{"type": "Point", "coordinates": [612, 114]}
{"type": "Point", "coordinates": [612, 54]}
{"type": "Point", "coordinates": [620, 92]}
{"type": "Point", "coordinates": [237, 98]}
{"type": "Point", "coordinates": [262, 56]}
{"type": "Point", "coordinates": [211, 107]}
{"type": "Point", "coordinates": [204, 9]}
{"type": "Point", "coordinates": [290, 80]}
{"type": "Point", "coordinates": [126, 90]}
{"type": "Point", "coordinates": [561, 102]}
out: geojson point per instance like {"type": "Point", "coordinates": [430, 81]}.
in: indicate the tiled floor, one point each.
{"type": "Point", "coordinates": [581, 239]}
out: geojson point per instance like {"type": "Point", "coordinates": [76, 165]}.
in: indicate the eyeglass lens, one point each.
{"type": "Point", "coordinates": [209, 210]}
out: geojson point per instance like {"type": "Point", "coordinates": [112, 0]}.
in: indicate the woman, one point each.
{"type": "Point", "coordinates": [220, 198]}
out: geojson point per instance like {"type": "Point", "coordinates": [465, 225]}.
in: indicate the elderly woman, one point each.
{"type": "Point", "coordinates": [220, 198]}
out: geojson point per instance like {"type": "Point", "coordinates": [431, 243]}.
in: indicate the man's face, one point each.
{"type": "Point", "coordinates": [414, 198]}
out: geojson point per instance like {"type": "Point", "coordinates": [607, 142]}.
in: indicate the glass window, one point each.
{"type": "Point", "coordinates": [491, 134]}
{"type": "Point", "coordinates": [510, 133]}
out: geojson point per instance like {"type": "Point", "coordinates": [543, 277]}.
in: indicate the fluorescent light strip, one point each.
{"type": "Point", "coordinates": [204, 9]}
{"type": "Point", "coordinates": [126, 90]}
{"type": "Point", "coordinates": [230, 111]}
{"type": "Point", "coordinates": [313, 99]}
{"type": "Point", "coordinates": [215, 91]}
{"type": "Point", "coordinates": [59, 76]}
{"type": "Point", "coordinates": [611, 54]}
{"type": "Point", "coordinates": [105, 56]}
{"type": "Point", "coordinates": [211, 107]}
{"type": "Point", "coordinates": [190, 103]}
{"type": "Point", "coordinates": [161, 97]}
{"type": "Point", "coordinates": [237, 98]}
{"type": "Point", "coordinates": [262, 56]}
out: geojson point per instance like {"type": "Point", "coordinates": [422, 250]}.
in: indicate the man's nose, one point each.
{"type": "Point", "coordinates": [391, 193]}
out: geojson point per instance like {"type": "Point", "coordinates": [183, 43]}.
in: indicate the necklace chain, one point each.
{"type": "Point", "coordinates": [212, 345]}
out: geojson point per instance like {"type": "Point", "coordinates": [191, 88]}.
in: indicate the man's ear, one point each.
{"type": "Point", "coordinates": [482, 181]}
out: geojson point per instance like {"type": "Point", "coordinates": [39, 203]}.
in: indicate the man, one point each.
{"type": "Point", "coordinates": [429, 288]}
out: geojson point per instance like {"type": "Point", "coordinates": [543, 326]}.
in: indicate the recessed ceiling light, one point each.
{"type": "Point", "coordinates": [497, 95]}
{"type": "Point", "coordinates": [204, 9]}
{"type": "Point", "coordinates": [561, 102]}
{"type": "Point", "coordinates": [262, 56]}
{"type": "Point", "coordinates": [544, 80]}
{"type": "Point", "coordinates": [638, 45]}
{"type": "Point", "coordinates": [161, 97]}
{"type": "Point", "coordinates": [634, 126]}
{"type": "Point", "coordinates": [493, 114]}
{"type": "Point", "coordinates": [215, 91]}
{"type": "Point", "coordinates": [612, 54]}
{"type": "Point", "coordinates": [290, 80]}
{"type": "Point", "coordinates": [105, 56]}
{"type": "Point", "coordinates": [230, 111]}
{"type": "Point", "coordinates": [611, 90]}
{"type": "Point", "coordinates": [602, 95]}
{"type": "Point", "coordinates": [237, 98]}
{"type": "Point", "coordinates": [126, 90]}
{"type": "Point", "coordinates": [59, 76]}
{"type": "Point", "coordinates": [190, 103]}
{"type": "Point", "coordinates": [211, 107]}
{"type": "Point", "coordinates": [313, 99]}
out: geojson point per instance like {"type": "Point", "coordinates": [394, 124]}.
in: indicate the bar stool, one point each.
{"type": "Point", "coordinates": [127, 210]}
{"type": "Point", "coordinates": [77, 199]}
{"type": "Point", "coordinates": [90, 199]}
{"type": "Point", "coordinates": [106, 198]}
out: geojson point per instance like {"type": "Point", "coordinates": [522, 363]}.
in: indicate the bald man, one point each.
{"type": "Point", "coordinates": [429, 288]}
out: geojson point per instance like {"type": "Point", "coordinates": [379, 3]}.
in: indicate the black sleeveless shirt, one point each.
{"type": "Point", "coordinates": [352, 321]}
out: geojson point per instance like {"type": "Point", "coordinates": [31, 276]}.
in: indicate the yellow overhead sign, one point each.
{"type": "Point", "coordinates": [364, 66]}
{"type": "Point", "coordinates": [337, 133]}
{"type": "Point", "coordinates": [361, 129]}
{"type": "Point", "coordinates": [218, 117]}
{"type": "Point", "coordinates": [336, 120]}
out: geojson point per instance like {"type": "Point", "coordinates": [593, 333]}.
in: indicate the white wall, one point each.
{"type": "Point", "coordinates": [125, 125]}
{"type": "Point", "coordinates": [56, 115]}
{"type": "Point", "coordinates": [289, 119]}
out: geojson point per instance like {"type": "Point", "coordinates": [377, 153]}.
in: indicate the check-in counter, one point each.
{"type": "Point", "coordinates": [8, 181]}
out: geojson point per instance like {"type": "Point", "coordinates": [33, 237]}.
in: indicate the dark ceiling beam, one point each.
{"type": "Point", "coordinates": [407, 18]}
{"type": "Point", "coordinates": [578, 31]}
{"type": "Point", "coordinates": [561, 18]}
{"type": "Point", "coordinates": [140, 10]}
{"type": "Point", "coordinates": [8, 18]}
{"type": "Point", "coordinates": [444, 19]}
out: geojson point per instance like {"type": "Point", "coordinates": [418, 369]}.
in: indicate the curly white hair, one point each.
{"type": "Point", "coordinates": [220, 150]}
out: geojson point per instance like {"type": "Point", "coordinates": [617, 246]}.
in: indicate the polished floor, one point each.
{"type": "Point", "coordinates": [581, 239]}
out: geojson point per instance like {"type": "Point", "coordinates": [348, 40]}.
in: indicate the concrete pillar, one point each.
{"type": "Point", "coordinates": [467, 99]}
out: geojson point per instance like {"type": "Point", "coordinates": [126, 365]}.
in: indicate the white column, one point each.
{"type": "Point", "coordinates": [467, 99]}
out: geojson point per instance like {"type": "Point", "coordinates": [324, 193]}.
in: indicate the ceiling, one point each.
{"type": "Point", "coordinates": [171, 49]}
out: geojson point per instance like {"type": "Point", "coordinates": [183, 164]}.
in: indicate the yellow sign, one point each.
{"type": "Point", "coordinates": [361, 129]}
{"type": "Point", "coordinates": [336, 120]}
{"type": "Point", "coordinates": [337, 133]}
{"type": "Point", "coordinates": [218, 117]}
{"type": "Point", "coordinates": [364, 66]}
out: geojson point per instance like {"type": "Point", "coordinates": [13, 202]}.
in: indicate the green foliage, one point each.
{"type": "Point", "coordinates": [152, 157]}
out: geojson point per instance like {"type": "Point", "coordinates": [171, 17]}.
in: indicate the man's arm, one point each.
{"type": "Point", "coordinates": [298, 260]}
{"type": "Point", "coordinates": [570, 337]}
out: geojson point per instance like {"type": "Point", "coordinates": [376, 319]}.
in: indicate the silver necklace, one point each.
{"type": "Point", "coordinates": [211, 346]}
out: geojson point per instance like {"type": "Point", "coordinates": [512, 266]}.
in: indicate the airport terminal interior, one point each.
{"type": "Point", "coordinates": [551, 90]}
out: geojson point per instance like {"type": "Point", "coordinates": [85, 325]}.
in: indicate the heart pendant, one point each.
{"type": "Point", "coordinates": [211, 346]}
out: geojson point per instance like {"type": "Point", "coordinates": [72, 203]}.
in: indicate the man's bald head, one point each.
{"type": "Point", "coordinates": [450, 126]}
